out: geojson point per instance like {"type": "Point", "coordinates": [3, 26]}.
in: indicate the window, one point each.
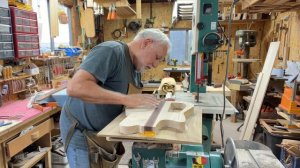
{"type": "Point", "coordinates": [41, 8]}
{"type": "Point", "coordinates": [65, 31]}
{"type": "Point", "coordinates": [181, 46]}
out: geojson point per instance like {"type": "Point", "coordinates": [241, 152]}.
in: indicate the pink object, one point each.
{"type": "Point", "coordinates": [18, 109]}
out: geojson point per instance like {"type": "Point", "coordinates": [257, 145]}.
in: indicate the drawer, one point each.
{"type": "Point", "coordinates": [5, 20]}
{"type": "Point", "coordinates": [6, 38]}
{"type": "Point", "coordinates": [6, 54]}
{"type": "Point", "coordinates": [18, 144]}
{"type": "Point", "coordinates": [6, 46]}
{"type": "Point", "coordinates": [4, 12]}
{"type": "Point", "coordinates": [27, 38]}
{"type": "Point", "coordinates": [5, 29]}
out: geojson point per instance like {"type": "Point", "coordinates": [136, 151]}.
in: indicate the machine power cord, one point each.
{"type": "Point", "coordinates": [226, 69]}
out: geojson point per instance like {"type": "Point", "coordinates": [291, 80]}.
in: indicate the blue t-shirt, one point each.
{"type": "Point", "coordinates": [111, 65]}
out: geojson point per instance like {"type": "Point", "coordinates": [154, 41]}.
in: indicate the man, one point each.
{"type": "Point", "coordinates": [98, 90]}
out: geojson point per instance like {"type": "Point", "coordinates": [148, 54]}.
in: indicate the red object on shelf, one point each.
{"type": "Point", "coordinates": [25, 33]}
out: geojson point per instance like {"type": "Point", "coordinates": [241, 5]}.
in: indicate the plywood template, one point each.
{"type": "Point", "coordinates": [169, 114]}
{"type": "Point", "coordinates": [191, 135]}
{"type": "Point", "coordinates": [89, 23]}
{"type": "Point", "coordinates": [259, 92]}
{"type": "Point", "coordinates": [54, 18]}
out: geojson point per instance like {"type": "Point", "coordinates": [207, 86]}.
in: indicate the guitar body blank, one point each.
{"type": "Point", "coordinates": [173, 115]}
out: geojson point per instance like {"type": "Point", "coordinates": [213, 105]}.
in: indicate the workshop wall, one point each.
{"type": "Point", "coordinates": [219, 61]}
{"type": "Point", "coordinates": [163, 14]}
{"type": "Point", "coordinates": [285, 28]}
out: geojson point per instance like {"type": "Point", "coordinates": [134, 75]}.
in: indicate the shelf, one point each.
{"type": "Point", "coordinates": [36, 159]}
{"type": "Point", "coordinates": [267, 6]}
{"type": "Point", "coordinates": [287, 117]}
{"type": "Point", "coordinates": [123, 8]}
{"type": "Point", "coordinates": [225, 22]}
{"type": "Point", "coordinates": [247, 98]}
{"type": "Point", "coordinates": [16, 78]}
{"type": "Point", "coordinates": [20, 91]}
{"type": "Point", "coordinates": [245, 60]}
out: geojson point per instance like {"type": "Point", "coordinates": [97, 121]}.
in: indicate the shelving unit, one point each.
{"type": "Point", "coordinates": [266, 6]}
{"type": "Point", "coordinates": [16, 78]}
{"type": "Point", "coordinates": [248, 21]}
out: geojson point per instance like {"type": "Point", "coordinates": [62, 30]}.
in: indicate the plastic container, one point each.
{"type": "Point", "coordinates": [4, 12]}
{"type": "Point", "coordinates": [6, 37]}
{"type": "Point", "coordinates": [6, 46]}
{"type": "Point", "coordinates": [72, 51]}
{"type": "Point", "coordinates": [5, 54]}
{"type": "Point", "coordinates": [5, 20]}
{"type": "Point", "coordinates": [27, 38]}
{"type": "Point", "coordinates": [15, 12]}
{"type": "Point", "coordinates": [288, 160]}
{"type": "Point", "coordinates": [270, 140]}
{"type": "Point", "coordinates": [5, 29]}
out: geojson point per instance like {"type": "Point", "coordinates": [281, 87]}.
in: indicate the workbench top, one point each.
{"type": "Point", "coordinates": [23, 117]}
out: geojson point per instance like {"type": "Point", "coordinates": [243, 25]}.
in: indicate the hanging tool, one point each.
{"type": "Point", "coordinates": [109, 13]}
{"type": "Point", "coordinates": [150, 21]}
{"type": "Point", "coordinates": [113, 12]}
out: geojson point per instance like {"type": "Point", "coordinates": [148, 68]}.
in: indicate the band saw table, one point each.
{"type": "Point", "coordinates": [197, 133]}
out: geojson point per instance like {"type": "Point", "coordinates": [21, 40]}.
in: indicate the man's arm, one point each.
{"type": "Point", "coordinates": [84, 86]}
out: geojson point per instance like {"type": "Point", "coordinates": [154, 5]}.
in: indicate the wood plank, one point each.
{"type": "Point", "coordinates": [54, 32]}
{"type": "Point", "coordinates": [259, 92]}
{"type": "Point", "coordinates": [245, 60]}
{"type": "Point", "coordinates": [138, 9]}
{"type": "Point", "coordinates": [192, 134]}
{"type": "Point", "coordinates": [89, 22]}
{"type": "Point", "coordinates": [169, 114]}
{"type": "Point", "coordinates": [287, 117]}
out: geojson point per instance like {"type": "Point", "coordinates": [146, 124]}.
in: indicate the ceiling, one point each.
{"type": "Point", "coordinates": [148, 1]}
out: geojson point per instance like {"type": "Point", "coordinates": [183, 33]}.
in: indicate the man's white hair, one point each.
{"type": "Point", "coordinates": [154, 34]}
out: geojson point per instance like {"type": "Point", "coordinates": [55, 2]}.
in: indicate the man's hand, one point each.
{"type": "Point", "coordinates": [136, 100]}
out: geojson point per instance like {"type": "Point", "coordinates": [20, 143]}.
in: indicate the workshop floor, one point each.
{"type": "Point", "coordinates": [230, 130]}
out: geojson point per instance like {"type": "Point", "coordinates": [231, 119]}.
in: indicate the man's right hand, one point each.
{"type": "Point", "coordinates": [136, 100]}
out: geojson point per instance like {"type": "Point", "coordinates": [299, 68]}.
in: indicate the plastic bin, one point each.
{"type": "Point", "coordinates": [6, 46]}
{"type": "Point", "coordinates": [5, 20]}
{"type": "Point", "coordinates": [5, 29]}
{"type": "Point", "coordinates": [4, 54]}
{"type": "Point", "coordinates": [289, 160]}
{"type": "Point", "coordinates": [4, 12]}
{"type": "Point", "coordinates": [270, 140]}
{"type": "Point", "coordinates": [15, 12]}
{"type": "Point", "coordinates": [72, 51]}
{"type": "Point", "coordinates": [27, 38]}
{"type": "Point", "coordinates": [6, 37]}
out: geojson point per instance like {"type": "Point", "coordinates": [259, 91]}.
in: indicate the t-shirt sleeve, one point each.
{"type": "Point", "coordinates": [101, 63]}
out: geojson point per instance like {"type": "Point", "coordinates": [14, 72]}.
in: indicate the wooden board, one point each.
{"type": "Point", "coordinates": [191, 135]}
{"type": "Point", "coordinates": [89, 22]}
{"type": "Point", "coordinates": [171, 114]}
{"type": "Point", "coordinates": [259, 92]}
{"type": "Point", "coordinates": [54, 18]}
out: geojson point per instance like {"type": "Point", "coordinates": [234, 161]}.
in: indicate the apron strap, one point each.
{"type": "Point", "coordinates": [76, 125]}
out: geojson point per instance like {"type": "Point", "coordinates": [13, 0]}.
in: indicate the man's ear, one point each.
{"type": "Point", "coordinates": [146, 42]}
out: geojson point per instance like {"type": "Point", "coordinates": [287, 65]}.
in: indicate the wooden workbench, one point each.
{"type": "Point", "coordinates": [11, 142]}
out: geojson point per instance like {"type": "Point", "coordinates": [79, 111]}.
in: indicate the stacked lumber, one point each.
{"type": "Point", "coordinates": [266, 6]}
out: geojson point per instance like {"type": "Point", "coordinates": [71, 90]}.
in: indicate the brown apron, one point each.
{"type": "Point", "coordinates": [102, 153]}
